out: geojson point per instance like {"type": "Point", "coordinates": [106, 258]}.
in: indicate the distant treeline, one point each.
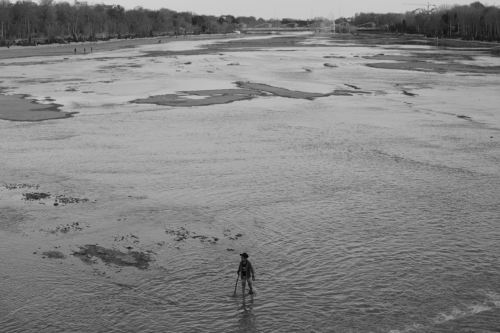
{"type": "Point", "coordinates": [59, 20]}
{"type": "Point", "coordinates": [475, 21]}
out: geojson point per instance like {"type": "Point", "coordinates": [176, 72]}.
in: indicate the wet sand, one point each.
{"type": "Point", "coordinates": [212, 97]}
{"type": "Point", "coordinates": [19, 108]}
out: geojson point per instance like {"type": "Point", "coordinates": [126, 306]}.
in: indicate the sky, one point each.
{"type": "Point", "coordinates": [298, 9]}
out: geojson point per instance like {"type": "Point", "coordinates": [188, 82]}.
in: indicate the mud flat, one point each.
{"type": "Point", "coordinates": [435, 62]}
{"type": "Point", "coordinates": [18, 108]}
{"type": "Point", "coordinates": [137, 259]}
{"type": "Point", "coordinates": [248, 91]}
{"type": "Point", "coordinates": [179, 100]}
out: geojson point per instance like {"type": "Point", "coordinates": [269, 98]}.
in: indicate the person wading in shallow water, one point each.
{"type": "Point", "coordinates": [246, 270]}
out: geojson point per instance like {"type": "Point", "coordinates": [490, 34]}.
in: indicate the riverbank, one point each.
{"type": "Point", "coordinates": [90, 47]}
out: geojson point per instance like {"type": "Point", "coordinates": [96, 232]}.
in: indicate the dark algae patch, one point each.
{"type": "Point", "coordinates": [54, 255]}
{"type": "Point", "coordinates": [137, 259]}
{"type": "Point", "coordinates": [35, 196]}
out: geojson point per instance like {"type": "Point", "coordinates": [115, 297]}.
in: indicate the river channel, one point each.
{"type": "Point", "coordinates": [375, 209]}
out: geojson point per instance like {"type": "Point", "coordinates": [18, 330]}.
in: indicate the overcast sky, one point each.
{"type": "Point", "coordinates": [299, 9]}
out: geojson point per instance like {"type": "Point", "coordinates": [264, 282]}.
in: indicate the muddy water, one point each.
{"type": "Point", "coordinates": [371, 213]}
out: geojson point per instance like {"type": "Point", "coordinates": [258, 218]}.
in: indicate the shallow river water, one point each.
{"type": "Point", "coordinates": [366, 213]}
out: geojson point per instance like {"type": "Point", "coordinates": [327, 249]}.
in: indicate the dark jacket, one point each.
{"type": "Point", "coordinates": [250, 272]}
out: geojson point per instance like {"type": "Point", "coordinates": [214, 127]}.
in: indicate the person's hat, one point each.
{"type": "Point", "coordinates": [244, 255]}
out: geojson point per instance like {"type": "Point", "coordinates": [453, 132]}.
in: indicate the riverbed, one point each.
{"type": "Point", "coordinates": [366, 194]}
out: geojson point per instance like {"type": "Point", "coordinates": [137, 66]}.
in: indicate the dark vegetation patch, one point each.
{"type": "Point", "coordinates": [53, 255]}
{"type": "Point", "coordinates": [137, 259]}
{"type": "Point", "coordinates": [464, 117]}
{"type": "Point", "coordinates": [329, 65]}
{"type": "Point", "coordinates": [351, 86]}
{"type": "Point", "coordinates": [16, 186]}
{"type": "Point", "coordinates": [67, 200]}
{"type": "Point", "coordinates": [409, 93]}
{"type": "Point", "coordinates": [35, 196]}
{"type": "Point", "coordinates": [64, 229]}
{"type": "Point", "coordinates": [59, 199]}
{"type": "Point", "coordinates": [182, 234]}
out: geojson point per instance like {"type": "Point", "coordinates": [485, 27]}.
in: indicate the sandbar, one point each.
{"type": "Point", "coordinates": [249, 90]}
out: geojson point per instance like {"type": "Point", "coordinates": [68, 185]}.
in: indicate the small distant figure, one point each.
{"type": "Point", "coordinates": [84, 51]}
{"type": "Point", "coordinates": [75, 50]}
{"type": "Point", "coordinates": [91, 49]}
{"type": "Point", "coordinates": [159, 41]}
{"type": "Point", "coordinates": [246, 270]}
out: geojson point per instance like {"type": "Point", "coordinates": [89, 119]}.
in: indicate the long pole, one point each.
{"type": "Point", "coordinates": [236, 285]}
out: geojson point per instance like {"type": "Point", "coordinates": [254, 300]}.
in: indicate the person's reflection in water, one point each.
{"type": "Point", "coordinates": [246, 318]}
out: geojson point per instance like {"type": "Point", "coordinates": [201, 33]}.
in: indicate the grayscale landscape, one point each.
{"type": "Point", "coordinates": [360, 172]}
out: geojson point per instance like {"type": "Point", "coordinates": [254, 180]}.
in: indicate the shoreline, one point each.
{"type": "Point", "coordinates": [111, 45]}
{"type": "Point", "coordinates": [115, 44]}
